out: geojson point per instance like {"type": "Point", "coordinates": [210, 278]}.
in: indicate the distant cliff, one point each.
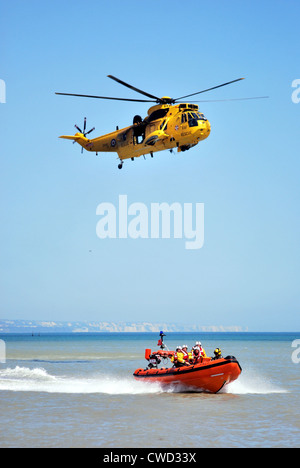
{"type": "Point", "coordinates": [32, 326]}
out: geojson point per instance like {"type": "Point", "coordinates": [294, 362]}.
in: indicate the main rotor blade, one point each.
{"type": "Point", "coordinates": [209, 89]}
{"type": "Point", "coordinates": [105, 97]}
{"type": "Point", "coordinates": [134, 89]}
{"type": "Point", "coordinates": [234, 99]}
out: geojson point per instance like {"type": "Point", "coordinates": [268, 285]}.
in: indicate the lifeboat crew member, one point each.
{"type": "Point", "coordinates": [199, 345]}
{"type": "Point", "coordinates": [217, 354]}
{"type": "Point", "coordinates": [186, 355]}
{"type": "Point", "coordinates": [178, 358]}
{"type": "Point", "coordinates": [196, 355]}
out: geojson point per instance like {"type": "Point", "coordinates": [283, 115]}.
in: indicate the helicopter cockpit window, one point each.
{"type": "Point", "coordinates": [193, 119]}
{"type": "Point", "coordinates": [201, 116]}
{"type": "Point", "coordinates": [183, 118]}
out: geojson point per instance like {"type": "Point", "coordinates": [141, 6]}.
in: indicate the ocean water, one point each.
{"type": "Point", "coordinates": [77, 390]}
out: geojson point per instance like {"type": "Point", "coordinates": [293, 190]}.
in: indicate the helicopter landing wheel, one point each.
{"type": "Point", "coordinates": [120, 165]}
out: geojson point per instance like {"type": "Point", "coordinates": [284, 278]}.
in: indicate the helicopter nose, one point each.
{"type": "Point", "coordinates": [208, 127]}
{"type": "Point", "coordinates": [204, 129]}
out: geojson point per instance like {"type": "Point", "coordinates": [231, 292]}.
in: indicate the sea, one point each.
{"type": "Point", "coordinates": [77, 391]}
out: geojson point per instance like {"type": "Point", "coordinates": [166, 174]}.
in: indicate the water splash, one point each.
{"type": "Point", "coordinates": [39, 380]}
{"type": "Point", "coordinates": [23, 379]}
{"type": "Point", "coordinates": [253, 383]}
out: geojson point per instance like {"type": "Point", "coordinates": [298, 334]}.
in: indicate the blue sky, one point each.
{"type": "Point", "coordinates": [53, 266]}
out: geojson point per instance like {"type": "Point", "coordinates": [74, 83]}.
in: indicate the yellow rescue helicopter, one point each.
{"type": "Point", "coordinates": [171, 123]}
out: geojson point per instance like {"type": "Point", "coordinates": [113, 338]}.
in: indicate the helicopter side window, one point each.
{"type": "Point", "coordinates": [193, 119]}
{"type": "Point", "coordinates": [158, 114]}
{"type": "Point", "coordinates": [164, 125]}
{"type": "Point", "coordinates": [122, 136]}
{"type": "Point", "coordinates": [183, 118]}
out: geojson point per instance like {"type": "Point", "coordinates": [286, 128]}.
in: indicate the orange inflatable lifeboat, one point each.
{"type": "Point", "coordinates": [209, 375]}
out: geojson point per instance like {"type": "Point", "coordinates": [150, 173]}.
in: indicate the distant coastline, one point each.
{"type": "Point", "coordinates": [43, 326]}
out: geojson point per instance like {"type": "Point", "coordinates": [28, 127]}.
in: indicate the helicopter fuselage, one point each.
{"type": "Point", "coordinates": [166, 126]}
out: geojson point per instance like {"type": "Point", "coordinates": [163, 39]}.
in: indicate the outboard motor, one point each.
{"type": "Point", "coordinates": [154, 360]}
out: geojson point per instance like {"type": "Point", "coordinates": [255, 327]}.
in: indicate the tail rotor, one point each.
{"type": "Point", "coordinates": [84, 132]}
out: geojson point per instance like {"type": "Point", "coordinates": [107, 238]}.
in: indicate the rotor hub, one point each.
{"type": "Point", "coordinates": [166, 100]}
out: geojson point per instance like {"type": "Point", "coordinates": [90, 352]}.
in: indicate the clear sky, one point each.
{"type": "Point", "coordinates": [53, 265]}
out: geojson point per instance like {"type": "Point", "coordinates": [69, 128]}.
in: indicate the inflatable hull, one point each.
{"type": "Point", "coordinates": [208, 376]}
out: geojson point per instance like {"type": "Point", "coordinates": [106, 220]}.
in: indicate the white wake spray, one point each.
{"type": "Point", "coordinates": [251, 382]}
{"type": "Point", "coordinates": [23, 379]}
{"type": "Point", "coordinates": [39, 380]}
